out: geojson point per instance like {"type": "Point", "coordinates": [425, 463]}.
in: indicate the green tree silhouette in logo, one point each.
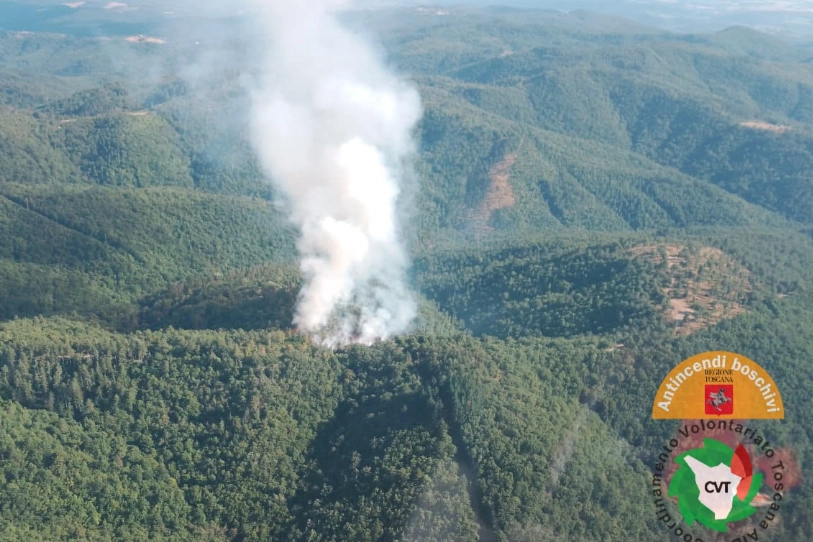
{"type": "Point", "coordinates": [715, 485]}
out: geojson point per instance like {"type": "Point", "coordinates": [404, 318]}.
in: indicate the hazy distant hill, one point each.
{"type": "Point", "coordinates": [729, 119]}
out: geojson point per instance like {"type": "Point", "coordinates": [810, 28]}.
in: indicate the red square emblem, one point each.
{"type": "Point", "coordinates": [719, 399]}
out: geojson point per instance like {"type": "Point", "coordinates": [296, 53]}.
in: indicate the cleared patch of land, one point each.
{"type": "Point", "coordinates": [145, 39]}
{"type": "Point", "coordinates": [766, 126]}
{"type": "Point", "coordinates": [499, 195]}
{"type": "Point", "coordinates": [705, 286]}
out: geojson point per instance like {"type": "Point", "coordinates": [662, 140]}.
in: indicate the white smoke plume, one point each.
{"type": "Point", "coordinates": [332, 127]}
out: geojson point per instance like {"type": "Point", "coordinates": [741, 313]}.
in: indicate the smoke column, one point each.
{"type": "Point", "coordinates": [333, 129]}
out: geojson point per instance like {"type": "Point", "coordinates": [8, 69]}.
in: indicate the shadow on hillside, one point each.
{"type": "Point", "coordinates": [245, 308]}
{"type": "Point", "coordinates": [375, 446]}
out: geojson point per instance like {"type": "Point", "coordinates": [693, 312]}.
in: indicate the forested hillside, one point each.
{"type": "Point", "coordinates": [591, 202]}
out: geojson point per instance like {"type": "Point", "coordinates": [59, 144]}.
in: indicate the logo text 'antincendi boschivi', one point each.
{"type": "Point", "coordinates": [716, 385]}
{"type": "Point", "coordinates": [717, 470]}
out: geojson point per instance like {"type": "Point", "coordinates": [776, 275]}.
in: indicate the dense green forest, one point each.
{"type": "Point", "coordinates": [594, 200]}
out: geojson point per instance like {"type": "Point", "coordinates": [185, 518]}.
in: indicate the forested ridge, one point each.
{"type": "Point", "coordinates": [594, 201]}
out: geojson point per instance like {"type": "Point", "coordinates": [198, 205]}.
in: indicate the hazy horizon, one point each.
{"type": "Point", "coordinates": [788, 19]}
